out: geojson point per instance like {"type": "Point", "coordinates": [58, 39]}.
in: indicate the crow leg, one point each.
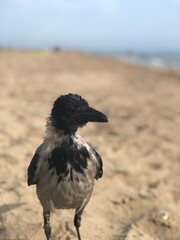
{"type": "Point", "coordinates": [47, 227]}
{"type": "Point", "coordinates": [77, 222]}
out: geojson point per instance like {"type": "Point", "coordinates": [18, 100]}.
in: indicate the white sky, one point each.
{"type": "Point", "coordinates": [104, 25]}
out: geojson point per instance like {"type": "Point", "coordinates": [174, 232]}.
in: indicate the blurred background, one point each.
{"type": "Point", "coordinates": [124, 58]}
{"type": "Point", "coordinates": [145, 31]}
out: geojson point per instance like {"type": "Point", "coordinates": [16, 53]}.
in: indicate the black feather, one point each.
{"type": "Point", "coordinates": [68, 153]}
{"type": "Point", "coordinates": [32, 169]}
{"type": "Point", "coordinates": [100, 166]}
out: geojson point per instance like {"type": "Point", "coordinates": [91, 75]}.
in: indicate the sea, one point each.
{"type": "Point", "coordinates": [169, 60]}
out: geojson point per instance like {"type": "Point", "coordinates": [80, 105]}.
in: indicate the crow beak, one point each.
{"type": "Point", "coordinates": [92, 115]}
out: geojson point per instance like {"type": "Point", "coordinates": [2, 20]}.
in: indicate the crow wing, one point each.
{"type": "Point", "coordinates": [32, 169]}
{"type": "Point", "coordinates": [99, 166]}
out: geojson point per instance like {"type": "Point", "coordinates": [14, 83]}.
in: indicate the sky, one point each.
{"type": "Point", "coordinates": [91, 25]}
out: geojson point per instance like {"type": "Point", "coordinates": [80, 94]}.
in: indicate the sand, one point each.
{"type": "Point", "coordinates": [138, 197]}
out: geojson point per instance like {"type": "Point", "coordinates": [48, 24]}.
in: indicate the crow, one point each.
{"type": "Point", "coordinates": [64, 167]}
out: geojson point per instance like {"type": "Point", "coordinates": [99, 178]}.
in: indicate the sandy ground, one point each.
{"type": "Point", "coordinates": [139, 196]}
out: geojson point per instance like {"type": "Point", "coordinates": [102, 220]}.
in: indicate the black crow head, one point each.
{"type": "Point", "coordinates": [71, 111]}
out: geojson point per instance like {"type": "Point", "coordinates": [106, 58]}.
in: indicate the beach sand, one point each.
{"type": "Point", "coordinates": [138, 197]}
